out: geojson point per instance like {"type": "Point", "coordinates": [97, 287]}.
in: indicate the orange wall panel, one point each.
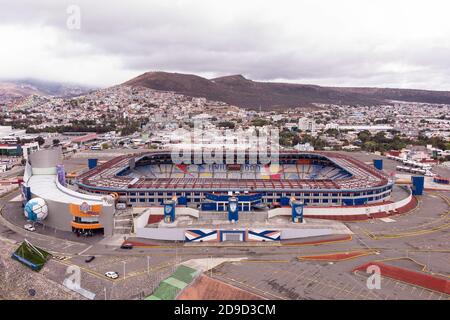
{"type": "Point", "coordinates": [93, 210]}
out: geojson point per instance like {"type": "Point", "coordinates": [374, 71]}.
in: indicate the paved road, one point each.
{"type": "Point", "coordinates": [14, 172]}
{"type": "Point", "coordinates": [422, 236]}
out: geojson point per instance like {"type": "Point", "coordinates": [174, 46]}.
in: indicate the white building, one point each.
{"type": "Point", "coordinates": [368, 128]}
{"type": "Point", "coordinates": [29, 148]}
{"type": "Point", "coordinates": [305, 124]}
{"type": "Point", "coordinates": [304, 147]}
{"type": "Point", "coordinates": [331, 125]}
{"type": "Point", "coordinates": [8, 132]}
{"type": "Point", "coordinates": [277, 117]}
{"type": "Point", "coordinates": [291, 126]}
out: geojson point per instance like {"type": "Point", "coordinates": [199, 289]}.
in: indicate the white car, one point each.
{"type": "Point", "coordinates": [430, 174]}
{"type": "Point", "coordinates": [29, 227]}
{"type": "Point", "coordinates": [112, 274]}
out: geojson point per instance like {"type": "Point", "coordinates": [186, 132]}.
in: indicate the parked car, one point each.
{"type": "Point", "coordinates": [126, 246]}
{"type": "Point", "coordinates": [112, 274]}
{"type": "Point", "coordinates": [121, 206]}
{"type": "Point", "coordinates": [29, 227]}
{"type": "Point", "coordinates": [89, 259]}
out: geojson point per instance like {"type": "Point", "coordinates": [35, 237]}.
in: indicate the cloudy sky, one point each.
{"type": "Point", "coordinates": [386, 43]}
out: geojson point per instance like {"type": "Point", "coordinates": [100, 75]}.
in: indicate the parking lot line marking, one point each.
{"type": "Point", "coordinates": [351, 291]}
{"type": "Point", "coordinates": [342, 290]}
{"type": "Point", "coordinates": [83, 251]}
{"type": "Point", "coordinates": [244, 285]}
{"type": "Point", "coordinates": [360, 292]}
{"type": "Point", "coordinates": [386, 281]}
{"type": "Point", "coordinates": [321, 286]}
{"type": "Point", "coordinates": [332, 287]}
{"type": "Point", "coordinates": [67, 245]}
{"type": "Point", "coordinates": [91, 272]}
{"type": "Point", "coordinates": [407, 285]}
{"type": "Point", "coordinates": [368, 295]}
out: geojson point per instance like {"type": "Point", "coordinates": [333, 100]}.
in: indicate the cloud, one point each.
{"type": "Point", "coordinates": [350, 42]}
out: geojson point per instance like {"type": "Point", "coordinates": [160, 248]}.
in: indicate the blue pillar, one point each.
{"type": "Point", "coordinates": [233, 209]}
{"type": "Point", "coordinates": [417, 185]}
{"type": "Point", "coordinates": [182, 201]}
{"type": "Point", "coordinates": [169, 210]}
{"type": "Point", "coordinates": [61, 174]}
{"type": "Point", "coordinates": [378, 164]}
{"type": "Point", "coordinates": [297, 210]}
{"type": "Point", "coordinates": [92, 163]}
{"type": "Point", "coordinates": [26, 194]}
{"type": "Point", "coordinates": [284, 201]}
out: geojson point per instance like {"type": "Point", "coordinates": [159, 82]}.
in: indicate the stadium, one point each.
{"type": "Point", "coordinates": [315, 178]}
{"type": "Point", "coordinates": [158, 199]}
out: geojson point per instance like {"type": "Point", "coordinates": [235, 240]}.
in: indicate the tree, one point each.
{"type": "Point", "coordinates": [364, 136]}
{"type": "Point", "coordinates": [380, 137]}
{"type": "Point", "coordinates": [288, 138]}
{"type": "Point", "coordinates": [226, 124]}
{"type": "Point", "coordinates": [259, 122]}
{"type": "Point", "coordinates": [370, 146]}
{"type": "Point", "coordinates": [332, 132]}
{"type": "Point", "coordinates": [56, 142]}
{"type": "Point", "coordinates": [40, 140]}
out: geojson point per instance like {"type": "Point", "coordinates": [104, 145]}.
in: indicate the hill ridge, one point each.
{"type": "Point", "coordinates": [243, 92]}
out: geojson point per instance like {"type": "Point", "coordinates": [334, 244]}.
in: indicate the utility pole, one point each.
{"type": "Point", "coordinates": [176, 252]}
{"type": "Point", "coordinates": [211, 266]}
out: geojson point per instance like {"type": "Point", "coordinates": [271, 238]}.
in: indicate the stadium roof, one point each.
{"type": "Point", "coordinates": [104, 177]}
{"type": "Point", "coordinates": [44, 186]}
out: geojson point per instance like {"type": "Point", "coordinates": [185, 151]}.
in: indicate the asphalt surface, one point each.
{"type": "Point", "coordinates": [275, 272]}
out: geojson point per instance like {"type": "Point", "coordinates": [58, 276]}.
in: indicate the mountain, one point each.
{"type": "Point", "coordinates": [239, 91]}
{"type": "Point", "coordinates": [51, 88]}
{"type": "Point", "coordinates": [14, 89]}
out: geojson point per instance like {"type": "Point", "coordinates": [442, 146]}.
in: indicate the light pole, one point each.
{"type": "Point", "coordinates": [148, 264]}
{"type": "Point", "coordinates": [124, 263]}
{"type": "Point", "coordinates": [104, 289]}
{"type": "Point", "coordinates": [211, 266]}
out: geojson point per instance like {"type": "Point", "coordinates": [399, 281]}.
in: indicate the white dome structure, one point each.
{"type": "Point", "coordinates": [36, 209]}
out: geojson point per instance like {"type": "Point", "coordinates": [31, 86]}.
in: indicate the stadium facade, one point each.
{"type": "Point", "coordinates": [315, 178]}
{"type": "Point", "coordinates": [68, 210]}
{"type": "Point", "coordinates": [321, 185]}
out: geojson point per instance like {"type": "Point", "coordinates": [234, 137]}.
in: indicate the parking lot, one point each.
{"type": "Point", "coordinates": [296, 280]}
{"type": "Point", "coordinates": [141, 275]}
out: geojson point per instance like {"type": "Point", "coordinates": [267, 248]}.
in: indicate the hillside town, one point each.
{"type": "Point", "coordinates": [133, 117]}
